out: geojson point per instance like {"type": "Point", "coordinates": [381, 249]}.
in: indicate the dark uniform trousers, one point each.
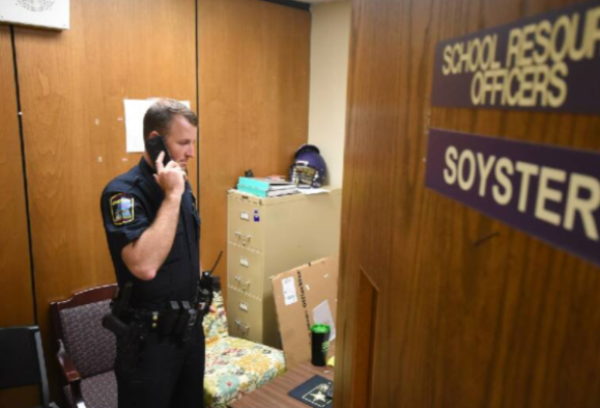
{"type": "Point", "coordinates": [168, 373]}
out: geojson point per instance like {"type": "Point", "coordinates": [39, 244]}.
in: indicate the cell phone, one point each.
{"type": "Point", "coordinates": [154, 146]}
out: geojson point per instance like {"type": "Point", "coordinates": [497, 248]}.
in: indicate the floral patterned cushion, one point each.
{"type": "Point", "coordinates": [234, 366]}
{"type": "Point", "coordinates": [215, 323]}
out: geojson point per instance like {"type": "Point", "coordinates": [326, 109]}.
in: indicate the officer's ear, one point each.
{"type": "Point", "coordinates": [152, 134]}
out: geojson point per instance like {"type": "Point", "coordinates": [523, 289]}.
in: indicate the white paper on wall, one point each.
{"type": "Point", "coordinates": [41, 13]}
{"type": "Point", "coordinates": [135, 109]}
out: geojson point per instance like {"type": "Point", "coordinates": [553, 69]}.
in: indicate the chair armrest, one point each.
{"type": "Point", "coordinates": [71, 374]}
{"type": "Point", "coordinates": [69, 370]}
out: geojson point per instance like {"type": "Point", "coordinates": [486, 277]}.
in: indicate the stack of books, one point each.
{"type": "Point", "coordinates": [264, 187]}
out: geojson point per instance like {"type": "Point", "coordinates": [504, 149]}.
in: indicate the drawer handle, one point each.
{"type": "Point", "coordinates": [245, 285]}
{"type": "Point", "coordinates": [244, 238]}
{"type": "Point", "coordinates": [244, 329]}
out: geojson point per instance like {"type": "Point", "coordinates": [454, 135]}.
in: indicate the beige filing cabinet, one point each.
{"type": "Point", "coordinates": [267, 236]}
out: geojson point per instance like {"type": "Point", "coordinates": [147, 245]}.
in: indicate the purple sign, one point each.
{"type": "Point", "coordinates": [550, 62]}
{"type": "Point", "coordinates": [550, 192]}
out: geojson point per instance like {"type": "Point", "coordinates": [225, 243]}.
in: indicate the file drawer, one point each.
{"type": "Point", "coordinates": [245, 271]}
{"type": "Point", "coordinates": [244, 223]}
{"type": "Point", "coordinates": [244, 316]}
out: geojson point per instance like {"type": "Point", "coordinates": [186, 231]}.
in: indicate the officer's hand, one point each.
{"type": "Point", "coordinates": [171, 178]}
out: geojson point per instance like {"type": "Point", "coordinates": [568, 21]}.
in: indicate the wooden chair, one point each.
{"type": "Point", "coordinates": [22, 361]}
{"type": "Point", "coordinates": [86, 350]}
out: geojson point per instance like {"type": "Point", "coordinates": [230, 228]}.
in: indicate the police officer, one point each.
{"type": "Point", "coordinates": [153, 231]}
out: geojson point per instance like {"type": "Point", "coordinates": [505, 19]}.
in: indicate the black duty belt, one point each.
{"type": "Point", "coordinates": [177, 318]}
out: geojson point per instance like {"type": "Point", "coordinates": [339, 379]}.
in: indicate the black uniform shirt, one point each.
{"type": "Point", "coordinates": [129, 205]}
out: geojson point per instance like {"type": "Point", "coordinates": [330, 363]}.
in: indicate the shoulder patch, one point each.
{"type": "Point", "coordinates": [122, 208]}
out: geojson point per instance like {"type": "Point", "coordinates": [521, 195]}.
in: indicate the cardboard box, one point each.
{"type": "Point", "coordinates": [304, 296]}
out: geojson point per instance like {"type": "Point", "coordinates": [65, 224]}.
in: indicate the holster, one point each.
{"type": "Point", "coordinates": [115, 325]}
{"type": "Point", "coordinates": [130, 345]}
{"type": "Point", "coordinates": [129, 336]}
{"type": "Point", "coordinates": [120, 303]}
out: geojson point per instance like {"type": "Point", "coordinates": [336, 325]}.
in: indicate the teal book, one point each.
{"type": "Point", "coordinates": [262, 183]}
{"type": "Point", "coordinates": [270, 193]}
{"type": "Point", "coordinates": [254, 191]}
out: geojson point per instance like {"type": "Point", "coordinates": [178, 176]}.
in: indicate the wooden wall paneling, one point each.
{"type": "Point", "coordinates": [15, 279]}
{"type": "Point", "coordinates": [507, 322]}
{"type": "Point", "coordinates": [15, 269]}
{"type": "Point", "coordinates": [73, 84]}
{"type": "Point", "coordinates": [253, 80]}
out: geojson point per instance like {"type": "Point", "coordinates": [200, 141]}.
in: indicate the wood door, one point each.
{"type": "Point", "coordinates": [441, 306]}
